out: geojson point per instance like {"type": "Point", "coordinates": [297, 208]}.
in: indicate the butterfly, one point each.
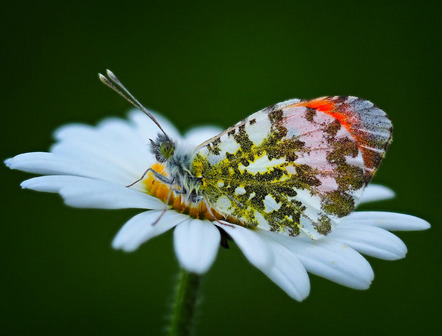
{"type": "Point", "coordinates": [296, 167]}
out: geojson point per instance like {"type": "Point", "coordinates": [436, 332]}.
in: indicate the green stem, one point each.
{"type": "Point", "coordinates": [185, 303]}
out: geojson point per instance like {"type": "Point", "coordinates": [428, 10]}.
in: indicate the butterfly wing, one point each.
{"type": "Point", "coordinates": [295, 166]}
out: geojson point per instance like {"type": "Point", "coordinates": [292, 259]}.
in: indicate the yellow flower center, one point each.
{"type": "Point", "coordinates": [162, 191]}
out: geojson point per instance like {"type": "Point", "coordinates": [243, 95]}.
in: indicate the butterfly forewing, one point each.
{"type": "Point", "coordinates": [295, 166]}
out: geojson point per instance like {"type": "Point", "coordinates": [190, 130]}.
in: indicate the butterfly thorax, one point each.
{"type": "Point", "coordinates": [177, 161]}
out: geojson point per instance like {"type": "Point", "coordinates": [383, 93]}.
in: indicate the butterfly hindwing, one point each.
{"type": "Point", "coordinates": [295, 166]}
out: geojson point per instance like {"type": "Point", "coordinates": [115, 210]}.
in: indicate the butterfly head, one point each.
{"type": "Point", "coordinates": [163, 148]}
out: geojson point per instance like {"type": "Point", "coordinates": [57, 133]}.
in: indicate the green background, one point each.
{"type": "Point", "coordinates": [199, 63]}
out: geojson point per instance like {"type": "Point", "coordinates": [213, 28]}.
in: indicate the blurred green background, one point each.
{"type": "Point", "coordinates": [199, 63]}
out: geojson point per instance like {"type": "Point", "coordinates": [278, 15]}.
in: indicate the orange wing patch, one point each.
{"type": "Point", "coordinates": [369, 126]}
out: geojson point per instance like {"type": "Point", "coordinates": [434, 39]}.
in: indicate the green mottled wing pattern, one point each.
{"type": "Point", "coordinates": [298, 166]}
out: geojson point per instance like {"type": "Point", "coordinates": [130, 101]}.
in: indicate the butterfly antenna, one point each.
{"type": "Point", "coordinates": [123, 92]}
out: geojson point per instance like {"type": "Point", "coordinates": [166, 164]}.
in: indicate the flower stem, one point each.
{"type": "Point", "coordinates": [185, 303]}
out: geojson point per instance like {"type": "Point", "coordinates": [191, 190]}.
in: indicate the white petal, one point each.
{"type": "Point", "coordinates": [387, 220]}
{"type": "Point", "coordinates": [111, 146]}
{"type": "Point", "coordinates": [331, 259]}
{"type": "Point", "coordinates": [100, 164]}
{"type": "Point", "coordinates": [118, 129]}
{"type": "Point", "coordinates": [84, 192]}
{"type": "Point", "coordinates": [52, 164]}
{"type": "Point", "coordinates": [196, 245]}
{"type": "Point", "coordinates": [71, 131]}
{"type": "Point", "coordinates": [148, 130]}
{"type": "Point", "coordinates": [44, 163]}
{"type": "Point", "coordinates": [251, 244]}
{"type": "Point", "coordinates": [376, 192]}
{"type": "Point", "coordinates": [108, 134]}
{"type": "Point", "coordinates": [370, 240]}
{"type": "Point", "coordinates": [145, 226]}
{"type": "Point", "coordinates": [287, 271]}
{"type": "Point", "coordinates": [198, 135]}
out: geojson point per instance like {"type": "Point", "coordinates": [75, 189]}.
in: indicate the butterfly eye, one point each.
{"type": "Point", "coordinates": [163, 148]}
{"type": "Point", "coordinates": [167, 149]}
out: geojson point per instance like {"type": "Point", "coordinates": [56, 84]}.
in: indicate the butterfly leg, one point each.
{"type": "Point", "coordinates": [164, 211]}
{"type": "Point", "coordinates": [211, 213]}
{"type": "Point", "coordinates": [180, 191]}
{"type": "Point", "coordinates": [196, 199]}
{"type": "Point", "coordinates": [157, 175]}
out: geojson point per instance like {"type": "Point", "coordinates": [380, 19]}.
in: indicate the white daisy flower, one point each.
{"type": "Point", "coordinates": [90, 167]}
